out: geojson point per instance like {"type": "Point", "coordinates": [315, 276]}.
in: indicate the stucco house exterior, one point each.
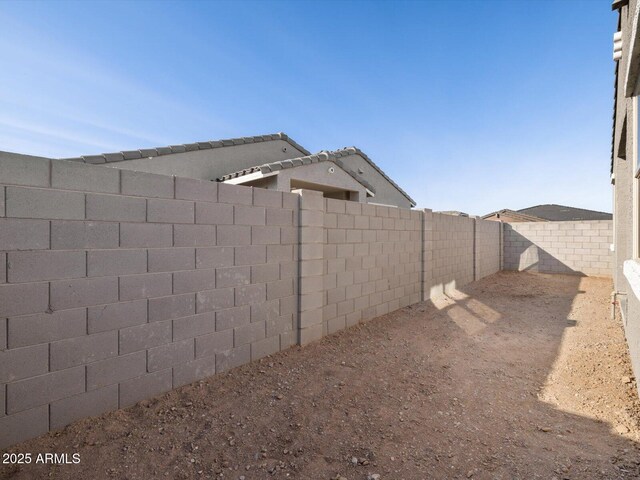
{"type": "Point", "coordinates": [268, 161]}
{"type": "Point", "coordinates": [624, 173]}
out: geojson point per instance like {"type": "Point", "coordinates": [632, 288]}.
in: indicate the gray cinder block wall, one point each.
{"type": "Point", "coordinates": [358, 261]}
{"type": "Point", "coordinates": [488, 258]}
{"type": "Point", "coordinates": [559, 247]}
{"type": "Point", "coordinates": [451, 246]}
{"type": "Point", "coordinates": [116, 286]}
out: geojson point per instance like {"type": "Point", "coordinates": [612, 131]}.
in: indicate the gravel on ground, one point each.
{"type": "Point", "coordinates": [516, 376]}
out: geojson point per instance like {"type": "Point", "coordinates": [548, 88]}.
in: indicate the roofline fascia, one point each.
{"type": "Point", "coordinates": [357, 151]}
{"type": "Point", "coordinates": [188, 147]}
{"type": "Point", "coordinates": [617, 4]}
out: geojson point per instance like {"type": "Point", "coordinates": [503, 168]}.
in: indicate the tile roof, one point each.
{"type": "Point", "coordinates": [189, 147]}
{"type": "Point", "coordinates": [559, 213]}
{"type": "Point", "coordinates": [323, 156]}
{"type": "Point", "coordinates": [515, 214]}
{"type": "Point", "coordinates": [355, 150]}
{"type": "Point", "coordinates": [553, 213]}
{"type": "Point", "coordinates": [455, 213]}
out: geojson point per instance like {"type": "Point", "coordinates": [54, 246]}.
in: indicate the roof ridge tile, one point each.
{"type": "Point", "coordinates": [356, 151]}
{"type": "Point", "coordinates": [186, 147]}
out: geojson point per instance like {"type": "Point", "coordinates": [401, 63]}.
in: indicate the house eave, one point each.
{"type": "Point", "coordinates": [617, 4]}
{"type": "Point", "coordinates": [633, 68]}
{"type": "Point", "coordinates": [250, 177]}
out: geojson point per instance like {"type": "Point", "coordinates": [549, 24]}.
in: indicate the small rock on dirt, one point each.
{"type": "Point", "coordinates": [621, 429]}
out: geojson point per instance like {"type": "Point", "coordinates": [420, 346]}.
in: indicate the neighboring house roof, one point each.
{"type": "Point", "coordinates": [298, 162]}
{"type": "Point", "coordinates": [355, 150]}
{"type": "Point", "coordinates": [455, 213]}
{"type": "Point", "coordinates": [514, 214]}
{"type": "Point", "coordinates": [188, 147]}
{"type": "Point", "coordinates": [559, 213]}
{"type": "Point", "coordinates": [552, 213]}
{"type": "Point", "coordinates": [334, 156]}
{"type": "Point", "coordinates": [323, 156]}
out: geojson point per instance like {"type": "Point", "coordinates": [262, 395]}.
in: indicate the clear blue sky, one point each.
{"type": "Point", "coordinates": [468, 105]}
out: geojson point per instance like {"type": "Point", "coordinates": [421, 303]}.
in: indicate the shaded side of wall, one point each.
{"type": "Point", "coordinates": [488, 235]}
{"type": "Point", "coordinates": [559, 247]}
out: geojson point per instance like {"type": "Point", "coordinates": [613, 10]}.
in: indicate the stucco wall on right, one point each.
{"type": "Point", "coordinates": [624, 169]}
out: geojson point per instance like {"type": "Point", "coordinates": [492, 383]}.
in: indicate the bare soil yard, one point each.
{"type": "Point", "coordinates": [516, 376]}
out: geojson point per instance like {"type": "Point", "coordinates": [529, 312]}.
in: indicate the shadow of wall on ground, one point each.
{"type": "Point", "coordinates": [517, 321]}
{"type": "Point", "coordinates": [469, 364]}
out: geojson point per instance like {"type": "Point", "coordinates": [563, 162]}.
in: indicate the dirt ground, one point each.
{"type": "Point", "coordinates": [516, 376]}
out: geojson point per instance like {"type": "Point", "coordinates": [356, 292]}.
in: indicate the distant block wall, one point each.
{"type": "Point", "coordinates": [581, 247]}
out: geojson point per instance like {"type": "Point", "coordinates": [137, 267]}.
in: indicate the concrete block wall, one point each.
{"type": "Point", "coordinates": [452, 253]}
{"type": "Point", "coordinates": [581, 247]}
{"type": "Point", "coordinates": [427, 253]}
{"type": "Point", "coordinates": [116, 286]}
{"type": "Point", "coordinates": [488, 235]}
{"type": "Point", "coordinates": [312, 266]}
{"type": "Point", "coordinates": [370, 263]}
